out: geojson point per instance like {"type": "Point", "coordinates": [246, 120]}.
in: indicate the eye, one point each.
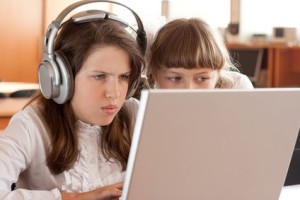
{"type": "Point", "coordinates": [175, 79]}
{"type": "Point", "coordinates": [202, 78]}
{"type": "Point", "coordinates": [99, 76]}
{"type": "Point", "coordinates": [124, 77]}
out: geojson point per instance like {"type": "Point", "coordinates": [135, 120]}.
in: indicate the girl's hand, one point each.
{"type": "Point", "coordinates": [110, 192]}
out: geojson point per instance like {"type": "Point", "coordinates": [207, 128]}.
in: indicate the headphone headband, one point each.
{"type": "Point", "coordinates": [56, 24]}
{"type": "Point", "coordinates": [73, 6]}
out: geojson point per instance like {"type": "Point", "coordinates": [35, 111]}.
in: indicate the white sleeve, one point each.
{"type": "Point", "coordinates": [16, 144]}
{"type": "Point", "coordinates": [243, 82]}
{"type": "Point", "coordinates": [21, 194]}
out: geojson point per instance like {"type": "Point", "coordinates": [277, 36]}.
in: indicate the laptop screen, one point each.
{"type": "Point", "coordinates": [212, 144]}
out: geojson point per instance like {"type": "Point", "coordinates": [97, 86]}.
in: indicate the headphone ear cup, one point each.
{"type": "Point", "coordinates": [67, 83]}
{"type": "Point", "coordinates": [48, 80]}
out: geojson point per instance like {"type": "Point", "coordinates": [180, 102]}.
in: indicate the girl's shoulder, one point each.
{"type": "Point", "coordinates": [26, 122]}
{"type": "Point", "coordinates": [26, 131]}
{"type": "Point", "coordinates": [238, 81]}
{"type": "Point", "coordinates": [27, 114]}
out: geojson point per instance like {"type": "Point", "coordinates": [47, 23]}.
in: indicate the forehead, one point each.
{"type": "Point", "coordinates": [110, 57]}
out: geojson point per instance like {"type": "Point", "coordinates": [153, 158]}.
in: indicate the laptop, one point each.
{"type": "Point", "coordinates": [212, 144]}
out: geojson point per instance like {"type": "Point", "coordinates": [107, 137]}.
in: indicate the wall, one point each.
{"type": "Point", "coordinates": [260, 16]}
{"type": "Point", "coordinates": [148, 11]}
{"type": "Point", "coordinates": [215, 12]}
{"type": "Point", "coordinates": [54, 7]}
{"type": "Point", "coordinates": [21, 36]}
{"type": "Point", "coordinates": [256, 16]}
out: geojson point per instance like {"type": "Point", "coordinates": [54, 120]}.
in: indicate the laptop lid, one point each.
{"type": "Point", "coordinates": [212, 144]}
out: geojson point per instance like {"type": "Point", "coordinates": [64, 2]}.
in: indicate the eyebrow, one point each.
{"type": "Point", "coordinates": [173, 72]}
{"type": "Point", "coordinates": [99, 71]}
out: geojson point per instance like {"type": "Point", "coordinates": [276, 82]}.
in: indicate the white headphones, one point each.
{"type": "Point", "coordinates": [55, 80]}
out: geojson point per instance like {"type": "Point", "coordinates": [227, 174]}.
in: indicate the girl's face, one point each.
{"type": "Point", "coordinates": [101, 85]}
{"type": "Point", "coordinates": [181, 78]}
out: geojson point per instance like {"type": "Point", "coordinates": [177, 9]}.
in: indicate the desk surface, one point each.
{"type": "Point", "coordinates": [290, 193]}
{"type": "Point", "coordinates": [10, 87]}
{"type": "Point", "coordinates": [9, 106]}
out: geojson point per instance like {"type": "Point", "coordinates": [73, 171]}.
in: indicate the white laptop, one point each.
{"type": "Point", "coordinates": [212, 144]}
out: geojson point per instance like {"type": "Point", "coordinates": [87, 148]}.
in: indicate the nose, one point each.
{"type": "Point", "coordinates": [190, 85]}
{"type": "Point", "coordinates": [112, 89]}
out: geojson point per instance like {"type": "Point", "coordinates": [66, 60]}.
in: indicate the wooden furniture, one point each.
{"type": "Point", "coordinates": [286, 63]}
{"type": "Point", "coordinates": [281, 61]}
{"type": "Point", "coordinates": [8, 107]}
{"type": "Point", "coordinates": [21, 39]}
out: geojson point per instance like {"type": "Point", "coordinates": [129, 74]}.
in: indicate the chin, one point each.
{"type": "Point", "coordinates": [105, 122]}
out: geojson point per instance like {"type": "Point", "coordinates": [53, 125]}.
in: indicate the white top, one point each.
{"type": "Point", "coordinates": [291, 192]}
{"type": "Point", "coordinates": [240, 81]}
{"type": "Point", "coordinates": [23, 146]}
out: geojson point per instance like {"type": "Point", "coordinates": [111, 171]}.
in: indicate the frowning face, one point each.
{"type": "Point", "coordinates": [101, 85]}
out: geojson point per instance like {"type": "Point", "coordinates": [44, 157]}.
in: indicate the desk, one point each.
{"type": "Point", "coordinates": [281, 61]}
{"type": "Point", "coordinates": [10, 87]}
{"type": "Point", "coordinates": [8, 107]}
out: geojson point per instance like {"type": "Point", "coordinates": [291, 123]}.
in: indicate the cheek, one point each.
{"type": "Point", "coordinates": [211, 84]}
{"type": "Point", "coordinates": [214, 81]}
{"type": "Point", "coordinates": [83, 88]}
{"type": "Point", "coordinates": [124, 90]}
{"type": "Point", "coordinates": [161, 82]}
{"type": "Point", "coordinates": [85, 92]}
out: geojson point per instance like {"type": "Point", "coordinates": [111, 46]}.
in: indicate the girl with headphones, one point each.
{"type": "Point", "coordinates": [72, 140]}
{"type": "Point", "coordinates": [187, 54]}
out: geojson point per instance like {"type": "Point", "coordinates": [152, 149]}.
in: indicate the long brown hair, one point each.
{"type": "Point", "coordinates": [75, 41]}
{"type": "Point", "coordinates": [189, 43]}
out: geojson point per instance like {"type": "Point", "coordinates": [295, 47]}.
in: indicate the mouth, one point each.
{"type": "Point", "coordinates": [109, 109]}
